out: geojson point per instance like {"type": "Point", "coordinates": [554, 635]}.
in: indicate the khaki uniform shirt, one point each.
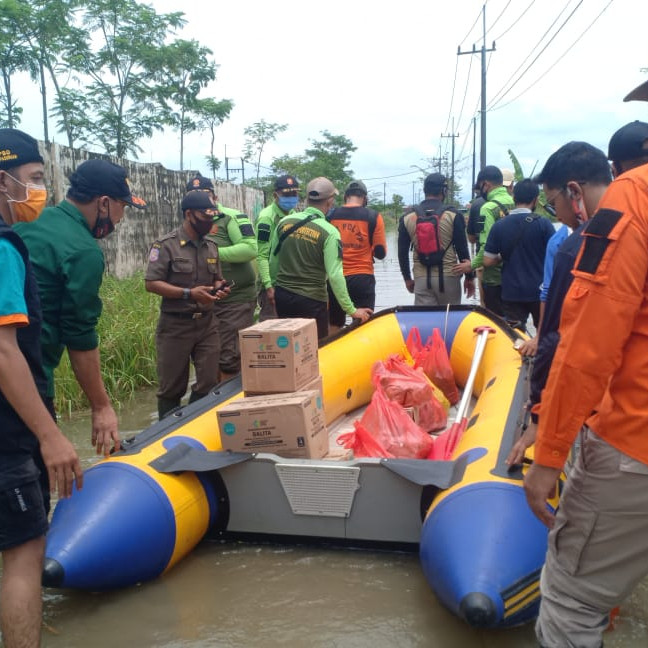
{"type": "Point", "coordinates": [178, 260]}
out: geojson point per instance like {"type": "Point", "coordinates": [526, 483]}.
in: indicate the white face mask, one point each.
{"type": "Point", "coordinates": [29, 208]}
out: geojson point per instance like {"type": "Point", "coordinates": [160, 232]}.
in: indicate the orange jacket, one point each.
{"type": "Point", "coordinates": [358, 245]}
{"type": "Point", "coordinates": [601, 364]}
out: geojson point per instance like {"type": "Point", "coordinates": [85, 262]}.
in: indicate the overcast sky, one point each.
{"type": "Point", "coordinates": [383, 74]}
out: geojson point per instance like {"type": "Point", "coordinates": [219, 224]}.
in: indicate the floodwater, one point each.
{"type": "Point", "coordinates": [236, 595]}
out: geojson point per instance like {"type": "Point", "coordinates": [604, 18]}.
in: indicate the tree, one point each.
{"type": "Point", "coordinates": [211, 114]}
{"type": "Point", "coordinates": [328, 157]}
{"type": "Point", "coordinates": [56, 47]}
{"type": "Point", "coordinates": [258, 135]}
{"type": "Point", "coordinates": [127, 73]}
{"type": "Point", "coordinates": [189, 71]}
{"type": "Point", "coordinates": [14, 57]}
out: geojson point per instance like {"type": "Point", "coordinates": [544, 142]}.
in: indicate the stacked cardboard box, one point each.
{"type": "Point", "coordinates": [282, 411]}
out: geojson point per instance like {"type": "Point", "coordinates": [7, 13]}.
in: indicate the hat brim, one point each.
{"type": "Point", "coordinates": [640, 93]}
{"type": "Point", "coordinates": [136, 201]}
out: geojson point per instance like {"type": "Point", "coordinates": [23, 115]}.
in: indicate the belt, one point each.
{"type": "Point", "coordinates": [196, 315]}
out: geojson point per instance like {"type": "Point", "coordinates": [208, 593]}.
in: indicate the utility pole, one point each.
{"type": "Point", "coordinates": [484, 50]}
{"type": "Point", "coordinates": [452, 167]}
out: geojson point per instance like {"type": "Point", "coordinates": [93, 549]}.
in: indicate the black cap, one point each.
{"type": "Point", "coordinates": [17, 148]}
{"type": "Point", "coordinates": [434, 183]}
{"type": "Point", "coordinates": [286, 183]}
{"type": "Point", "coordinates": [199, 183]}
{"type": "Point", "coordinates": [628, 142]}
{"type": "Point", "coordinates": [356, 186]}
{"type": "Point", "coordinates": [102, 178]}
{"type": "Point", "coordinates": [198, 199]}
{"type": "Point", "coordinates": [490, 173]}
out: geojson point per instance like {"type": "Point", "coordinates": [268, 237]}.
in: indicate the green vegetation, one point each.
{"type": "Point", "coordinates": [127, 344]}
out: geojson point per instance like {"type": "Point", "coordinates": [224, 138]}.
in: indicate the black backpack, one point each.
{"type": "Point", "coordinates": [428, 240]}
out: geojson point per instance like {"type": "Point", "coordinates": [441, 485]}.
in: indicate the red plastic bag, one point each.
{"type": "Point", "coordinates": [401, 382]}
{"type": "Point", "coordinates": [363, 443]}
{"type": "Point", "coordinates": [414, 343]}
{"type": "Point", "coordinates": [431, 416]}
{"type": "Point", "coordinates": [394, 429]}
{"type": "Point", "coordinates": [434, 360]}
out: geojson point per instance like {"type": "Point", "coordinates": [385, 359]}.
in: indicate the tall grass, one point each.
{"type": "Point", "coordinates": [126, 344]}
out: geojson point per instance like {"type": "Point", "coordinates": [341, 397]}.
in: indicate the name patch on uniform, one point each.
{"type": "Point", "coordinates": [246, 229]}
{"type": "Point", "coordinates": [154, 254]}
{"type": "Point", "coordinates": [264, 232]}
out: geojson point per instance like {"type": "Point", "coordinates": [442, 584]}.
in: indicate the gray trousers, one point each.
{"type": "Point", "coordinates": [598, 548]}
{"type": "Point", "coordinates": [424, 296]}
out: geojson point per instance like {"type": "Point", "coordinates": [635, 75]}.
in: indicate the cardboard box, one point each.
{"type": "Point", "coordinates": [289, 425]}
{"type": "Point", "coordinates": [315, 384]}
{"type": "Point", "coordinates": [278, 355]}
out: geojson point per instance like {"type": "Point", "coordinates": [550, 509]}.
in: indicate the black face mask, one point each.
{"type": "Point", "coordinates": [201, 227]}
{"type": "Point", "coordinates": [103, 226]}
{"type": "Point", "coordinates": [483, 192]}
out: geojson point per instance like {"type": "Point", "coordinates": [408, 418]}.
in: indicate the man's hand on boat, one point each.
{"type": "Point", "coordinates": [528, 348]}
{"type": "Point", "coordinates": [105, 430]}
{"type": "Point", "coordinates": [540, 484]}
{"type": "Point", "coordinates": [516, 456]}
{"type": "Point", "coordinates": [62, 462]}
{"type": "Point", "coordinates": [362, 314]}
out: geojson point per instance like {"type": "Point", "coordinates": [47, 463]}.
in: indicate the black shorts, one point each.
{"type": "Point", "coordinates": [362, 290]}
{"type": "Point", "coordinates": [290, 304]}
{"type": "Point", "coordinates": [22, 508]}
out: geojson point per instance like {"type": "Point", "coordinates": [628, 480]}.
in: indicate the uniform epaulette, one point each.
{"type": "Point", "coordinates": [168, 236]}
{"type": "Point", "coordinates": [242, 216]}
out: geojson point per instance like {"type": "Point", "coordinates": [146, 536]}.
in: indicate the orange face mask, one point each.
{"type": "Point", "coordinates": [28, 209]}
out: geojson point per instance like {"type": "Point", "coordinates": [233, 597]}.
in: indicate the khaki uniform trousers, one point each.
{"type": "Point", "coordinates": [179, 340]}
{"type": "Point", "coordinates": [598, 548]}
{"type": "Point", "coordinates": [424, 296]}
{"type": "Point", "coordinates": [232, 317]}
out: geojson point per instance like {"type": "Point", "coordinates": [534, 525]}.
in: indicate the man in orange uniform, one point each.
{"type": "Point", "coordinates": [597, 546]}
{"type": "Point", "coordinates": [363, 238]}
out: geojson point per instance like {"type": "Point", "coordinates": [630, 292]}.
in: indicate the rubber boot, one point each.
{"type": "Point", "coordinates": [165, 405]}
{"type": "Point", "coordinates": [194, 396]}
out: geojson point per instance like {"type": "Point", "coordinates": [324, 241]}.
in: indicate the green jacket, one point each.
{"type": "Point", "coordinates": [491, 212]}
{"type": "Point", "coordinates": [69, 266]}
{"type": "Point", "coordinates": [266, 224]}
{"type": "Point", "coordinates": [237, 248]}
{"type": "Point", "coordinates": [309, 256]}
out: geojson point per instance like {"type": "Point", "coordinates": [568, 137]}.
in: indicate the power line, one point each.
{"type": "Point", "coordinates": [454, 81]}
{"type": "Point", "coordinates": [501, 13]}
{"type": "Point", "coordinates": [463, 101]}
{"type": "Point", "coordinates": [558, 60]}
{"type": "Point", "coordinates": [508, 29]}
{"type": "Point", "coordinates": [461, 42]}
{"type": "Point", "coordinates": [497, 97]}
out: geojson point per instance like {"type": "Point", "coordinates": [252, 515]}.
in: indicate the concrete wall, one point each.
{"type": "Point", "coordinates": [126, 249]}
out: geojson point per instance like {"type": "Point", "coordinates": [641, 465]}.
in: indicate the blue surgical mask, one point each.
{"type": "Point", "coordinates": [286, 203]}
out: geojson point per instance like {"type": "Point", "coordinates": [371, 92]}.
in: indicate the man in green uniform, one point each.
{"type": "Point", "coordinates": [237, 247]}
{"type": "Point", "coordinates": [69, 266]}
{"type": "Point", "coordinates": [183, 268]}
{"type": "Point", "coordinates": [498, 202]}
{"type": "Point", "coordinates": [305, 250]}
{"type": "Point", "coordinates": [285, 200]}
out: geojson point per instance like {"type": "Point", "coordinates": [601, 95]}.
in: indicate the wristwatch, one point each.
{"type": "Point", "coordinates": [186, 293]}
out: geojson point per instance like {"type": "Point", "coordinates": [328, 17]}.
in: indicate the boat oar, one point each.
{"type": "Point", "coordinates": [445, 443]}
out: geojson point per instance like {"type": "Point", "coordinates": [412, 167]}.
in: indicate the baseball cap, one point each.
{"type": "Point", "coordinates": [17, 148]}
{"type": "Point", "coordinates": [434, 182]}
{"type": "Point", "coordinates": [356, 185]}
{"type": "Point", "coordinates": [490, 173]}
{"type": "Point", "coordinates": [640, 93]}
{"type": "Point", "coordinates": [628, 142]}
{"type": "Point", "coordinates": [197, 199]}
{"type": "Point", "coordinates": [508, 177]}
{"type": "Point", "coordinates": [321, 189]}
{"type": "Point", "coordinates": [285, 183]}
{"type": "Point", "coordinates": [102, 178]}
{"type": "Point", "coordinates": [200, 183]}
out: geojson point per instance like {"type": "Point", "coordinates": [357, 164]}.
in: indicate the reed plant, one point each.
{"type": "Point", "coordinates": [126, 343]}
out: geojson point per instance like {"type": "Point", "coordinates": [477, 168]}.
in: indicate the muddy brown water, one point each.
{"type": "Point", "coordinates": [241, 594]}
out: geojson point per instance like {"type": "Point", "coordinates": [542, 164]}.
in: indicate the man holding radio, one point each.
{"type": "Point", "coordinates": [184, 269]}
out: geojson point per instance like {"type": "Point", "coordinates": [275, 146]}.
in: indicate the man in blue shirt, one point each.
{"type": "Point", "coordinates": [519, 241]}
{"type": "Point", "coordinates": [34, 453]}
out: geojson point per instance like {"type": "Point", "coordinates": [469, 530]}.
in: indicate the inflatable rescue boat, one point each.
{"type": "Point", "coordinates": [145, 507]}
